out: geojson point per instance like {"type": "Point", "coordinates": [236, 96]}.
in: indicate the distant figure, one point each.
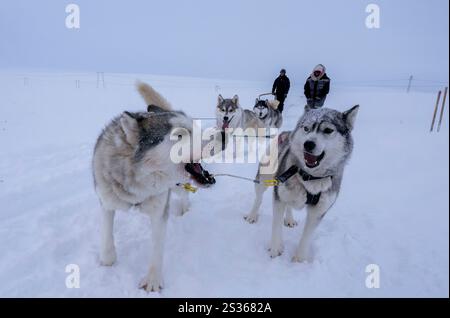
{"type": "Point", "coordinates": [317, 87]}
{"type": "Point", "coordinates": [280, 88]}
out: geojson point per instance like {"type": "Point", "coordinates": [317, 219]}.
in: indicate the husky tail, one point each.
{"type": "Point", "coordinates": [152, 97]}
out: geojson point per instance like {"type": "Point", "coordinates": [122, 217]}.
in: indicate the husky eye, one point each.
{"type": "Point", "coordinates": [306, 129]}
{"type": "Point", "coordinates": [328, 131]}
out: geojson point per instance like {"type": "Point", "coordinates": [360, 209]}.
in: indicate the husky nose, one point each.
{"type": "Point", "coordinates": [225, 118]}
{"type": "Point", "coordinates": [309, 146]}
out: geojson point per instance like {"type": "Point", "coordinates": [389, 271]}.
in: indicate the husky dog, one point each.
{"type": "Point", "coordinates": [229, 114]}
{"type": "Point", "coordinates": [311, 161]}
{"type": "Point", "coordinates": [267, 113]}
{"type": "Point", "coordinates": [131, 168]}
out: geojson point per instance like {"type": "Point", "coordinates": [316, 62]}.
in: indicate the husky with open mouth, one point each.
{"type": "Point", "coordinates": [229, 114]}
{"type": "Point", "coordinates": [311, 161]}
{"type": "Point", "coordinates": [132, 167]}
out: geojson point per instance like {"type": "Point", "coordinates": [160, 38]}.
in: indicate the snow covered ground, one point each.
{"type": "Point", "coordinates": [393, 210]}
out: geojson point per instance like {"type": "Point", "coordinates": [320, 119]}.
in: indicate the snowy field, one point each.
{"type": "Point", "coordinates": [393, 210]}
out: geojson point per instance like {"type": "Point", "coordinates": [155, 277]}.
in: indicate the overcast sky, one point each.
{"type": "Point", "coordinates": [237, 39]}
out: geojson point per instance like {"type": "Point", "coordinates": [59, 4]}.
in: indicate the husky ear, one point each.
{"type": "Point", "coordinates": [219, 99]}
{"type": "Point", "coordinates": [307, 108]}
{"type": "Point", "coordinates": [235, 99]}
{"type": "Point", "coordinates": [130, 126]}
{"type": "Point", "coordinates": [350, 116]}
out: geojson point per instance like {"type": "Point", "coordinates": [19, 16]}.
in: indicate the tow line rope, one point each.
{"type": "Point", "coordinates": [235, 176]}
{"type": "Point", "coordinates": [190, 188]}
{"type": "Point", "coordinates": [268, 183]}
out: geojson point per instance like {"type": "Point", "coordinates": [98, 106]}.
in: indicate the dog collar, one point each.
{"type": "Point", "coordinates": [293, 170]}
{"type": "Point", "coordinates": [307, 177]}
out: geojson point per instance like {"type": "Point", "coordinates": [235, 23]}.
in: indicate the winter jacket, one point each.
{"type": "Point", "coordinates": [281, 86]}
{"type": "Point", "coordinates": [317, 88]}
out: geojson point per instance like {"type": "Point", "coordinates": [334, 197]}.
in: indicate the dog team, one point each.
{"type": "Point", "coordinates": [131, 166]}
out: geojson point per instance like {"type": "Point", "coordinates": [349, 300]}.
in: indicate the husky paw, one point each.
{"type": "Point", "coordinates": [251, 218]}
{"type": "Point", "coordinates": [299, 259]}
{"type": "Point", "coordinates": [152, 283]}
{"type": "Point", "coordinates": [108, 258]}
{"type": "Point", "coordinates": [290, 222]}
{"type": "Point", "coordinates": [276, 250]}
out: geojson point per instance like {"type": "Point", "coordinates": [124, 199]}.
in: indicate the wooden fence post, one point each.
{"type": "Point", "coordinates": [409, 84]}
{"type": "Point", "coordinates": [435, 111]}
{"type": "Point", "coordinates": [442, 109]}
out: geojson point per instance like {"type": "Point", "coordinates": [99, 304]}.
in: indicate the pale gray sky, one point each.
{"type": "Point", "coordinates": [238, 39]}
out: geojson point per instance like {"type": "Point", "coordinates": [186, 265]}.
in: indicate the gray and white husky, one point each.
{"type": "Point", "coordinates": [229, 114]}
{"type": "Point", "coordinates": [267, 113]}
{"type": "Point", "coordinates": [131, 168]}
{"type": "Point", "coordinates": [311, 161]}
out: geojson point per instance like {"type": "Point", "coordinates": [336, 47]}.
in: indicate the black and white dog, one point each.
{"type": "Point", "coordinates": [268, 113]}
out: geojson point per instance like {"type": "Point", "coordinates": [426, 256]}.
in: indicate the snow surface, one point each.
{"type": "Point", "coordinates": [393, 209]}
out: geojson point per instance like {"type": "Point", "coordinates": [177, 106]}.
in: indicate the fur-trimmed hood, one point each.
{"type": "Point", "coordinates": [321, 68]}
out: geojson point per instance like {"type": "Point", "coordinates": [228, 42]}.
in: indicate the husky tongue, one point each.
{"type": "Point", "coordinates": [310, 158]}
{"type": "Point", "coordinates": [225, 124]}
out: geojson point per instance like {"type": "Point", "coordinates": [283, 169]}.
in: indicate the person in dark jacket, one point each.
{"type": "Point", "coordinates": [317, 87]}
{"type": "Point", "coordinates": [280, 88]}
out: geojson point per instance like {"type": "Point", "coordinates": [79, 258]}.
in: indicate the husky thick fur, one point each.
{"type": "Point", "coordinates": [131, 168]}
{"type": "Point", "coordinates": [319, 146]}
{"type": "Point", "coordinates": [230, 114]}
{"type": "Point", "coordinates": [270, 116]}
